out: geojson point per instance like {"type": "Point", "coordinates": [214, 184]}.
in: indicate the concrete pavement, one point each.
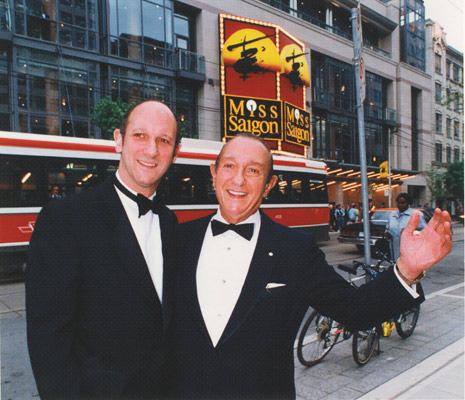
{"type": "Point", "coordinates": [440, 376]}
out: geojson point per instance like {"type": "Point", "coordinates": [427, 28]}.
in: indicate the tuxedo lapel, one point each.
{"type": "Point", "coordinates": [168, 240]}
{"type": "Point", "coordinates": [188, 278]}
{"type": "Point", "coordinates": [257, 278]}
{"type": "Point", "coordinates": [126, 245]}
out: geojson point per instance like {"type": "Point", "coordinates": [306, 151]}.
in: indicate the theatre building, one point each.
{"type": "Point", "coordinates": [280, 69]}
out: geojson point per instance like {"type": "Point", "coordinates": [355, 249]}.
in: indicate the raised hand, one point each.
{"type": "Point", "coordinates": [421, 250]}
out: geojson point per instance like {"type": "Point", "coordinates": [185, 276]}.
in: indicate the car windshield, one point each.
{"type": "Point", "coordinates": [381, 215]}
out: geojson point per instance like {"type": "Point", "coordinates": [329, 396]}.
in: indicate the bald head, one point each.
{"type": "Point", "coordinates": [269, 172]}
{"type": "Point", "coordinates": [156, 105]}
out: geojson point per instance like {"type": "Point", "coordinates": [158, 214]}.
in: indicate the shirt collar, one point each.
{"type": "Point", "coordinates": [408, 211]}
{"type": "Point", "coordinates": [253, 219]}
{"type": "Point", "coordinates": [118, 176]}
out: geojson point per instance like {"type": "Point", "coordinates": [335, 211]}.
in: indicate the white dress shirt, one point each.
{"type": "Point", "coordinates": [221, 271]}
{"type": "Point", "coordinates": [148, 234]}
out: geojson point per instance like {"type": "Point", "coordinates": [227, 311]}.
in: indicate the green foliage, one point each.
{"type": "Point", "coordinates": [448, 184]}
{"type": "Point", "coordinates": [454, 180]}
{"type": "Point", "coordinates": [435, 183]}
{"type": "Point", "coordinates": [108, 115]}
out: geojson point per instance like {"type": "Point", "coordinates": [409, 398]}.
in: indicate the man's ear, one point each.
{"type": "Point", "coordinates": [270, 185]}
{"type": "Point", "coordinates": [213, 172]}
{"type": "Point", "coordinates": [118, 140]}
{"type": "Point", "coordinates": [176, 152]}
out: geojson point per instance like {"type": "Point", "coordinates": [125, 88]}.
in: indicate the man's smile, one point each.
{"type": "Point", "coordinates": [234, 193]}
{"type": "Point", "coordinates": [147, 164]}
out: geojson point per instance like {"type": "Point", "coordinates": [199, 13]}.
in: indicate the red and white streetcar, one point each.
{"type": "Point", "coordinates": [35, 169]}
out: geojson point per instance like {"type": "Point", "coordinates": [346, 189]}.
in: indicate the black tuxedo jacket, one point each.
{"type": "Point", "coordinates": [94, 321]}
{"type": "Point", "coordinates": [254, 357]}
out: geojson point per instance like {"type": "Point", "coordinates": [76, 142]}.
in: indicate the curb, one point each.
{"type": "Point", "coordinates": [414, 376]}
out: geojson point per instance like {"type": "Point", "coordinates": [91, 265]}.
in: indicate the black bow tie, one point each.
{"type": "Point", "coordinates": [245, 230]}
{"type": "Point", "coordinates": [145, 204]}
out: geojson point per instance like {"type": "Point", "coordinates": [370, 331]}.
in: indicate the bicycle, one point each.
{"type": "Point", "coordinates": [320, 334]}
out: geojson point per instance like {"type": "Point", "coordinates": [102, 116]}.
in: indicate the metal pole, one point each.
{"type": "Point", "coordinates": [389, 166]}
{"type": "Point", "coordinates": [361, 136]}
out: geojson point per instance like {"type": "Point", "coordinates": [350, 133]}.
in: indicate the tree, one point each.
{"type": "Point", "coordinates": [108, 115]}
{"type": "Point", "coordinates": [453, 179]}
{"type": "Point", "coordinates": [435, 183]}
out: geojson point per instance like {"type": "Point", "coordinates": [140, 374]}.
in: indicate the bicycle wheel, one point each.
{"type": "Point", "coordinates": [406, 323]}
{"type": "Point", "coordinates": [364, 344]}
{"type": "Point", "coordinates": [315, 339]}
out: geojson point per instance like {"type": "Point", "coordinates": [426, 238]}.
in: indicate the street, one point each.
{"type": "Point", "coordinates": [441, 324]}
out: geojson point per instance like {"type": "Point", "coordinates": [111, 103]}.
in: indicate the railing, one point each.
{"type": "Point", "coordinates": [390, 114]}
{"type": "Point", "coordinates": [324, 97]}
{"type": "Point", "coordinates": [315, 21]}
{"type": "Point", "coordinates": [190, 62]}
{"type": "Point", "coordinates": [386, 114]}
{"type": "Point", "coordinates": [5, 17]}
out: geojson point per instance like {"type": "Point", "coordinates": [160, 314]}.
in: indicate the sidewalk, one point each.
{"type": "Point", "coordinates": [440, 376]}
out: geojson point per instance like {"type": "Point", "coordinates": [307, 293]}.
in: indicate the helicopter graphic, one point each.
{"type": "Point", "coordinates": [250, 51]}
{"type": "Point", "coordinates": [295, 66]}
{"type": "Point", "coordinates": [248, 62]}
{"type": "Point", "coordinates": [294, 75]}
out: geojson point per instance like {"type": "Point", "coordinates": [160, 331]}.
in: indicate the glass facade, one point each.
{"type": "Point", "coordinates": [329, 16]}
{"type": "Point", "coordinates": [73, 53]}
{"type": "Point", "coordinates": [68, 22]}
{"type": "Point", "coordinates": [142, 31]}
{"type": "Point", "coordinates": [68, 87]}
{"type": "Point", "coordinates": [335, 133]}
{"type": "Point", "coordinates": [412, 33]}
{"type": "Point", "coordinates": [5, 110]}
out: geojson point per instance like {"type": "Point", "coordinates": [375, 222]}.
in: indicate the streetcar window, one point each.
{"type": "Point", "coordinates": [187, 184]}
{"type": "Point", "coordinates": [298, 188]}
{"type": "Point", "coordinates": [27, 181]}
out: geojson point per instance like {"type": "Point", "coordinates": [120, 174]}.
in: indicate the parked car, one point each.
{"type": "Point", "coordinates": [353, 233]}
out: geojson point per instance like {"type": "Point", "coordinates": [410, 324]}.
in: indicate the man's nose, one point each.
{"type": "Point", "coordinates": [239, 177]}
{"type": "Point", "coordinates": [151, 148]}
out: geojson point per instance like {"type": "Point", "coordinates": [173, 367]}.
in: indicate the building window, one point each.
{"type": "Point", "coordinates": [186, 111]}
{"type": "Point", "coordinates": [457, 130]}
{"type": "Point", "coordinates": [449, 127]}
{"type": "Point", "coordinates": [55, 94]}
{"type": "Point", "coordinates": [4, 91]}
{"type": "Point", "coordinates": [142, 31]}
{"type": "Point", "coordinates": [437, 63]}
{"type": "Point", "coordinates": [132, 85]}
{"type": "Point", "coordinates": [439, 123]}
{"type": "Point", "coordinates": [438, 92]}
{"type": "Point", "coordinates": [412, 33]}
{"type": "Point", "coordinates": [456, 73]}
{"type": "Point", "coordinates": [333, 138]}
{"type": "Point", "coordinates": [456, 97]}
{"type": "Point", "coordinates": [448, 154]}
{"type": "Point", "coordinates": [332, 83]}
{"type": "Point", "coordinates": [374, 106]}
{"type": "Point", "coordinates": [376, 144]}
{"type": "Point", "coordinates": [448, 67]}
{"type": "Point", "coordinates": [438, 155]}
{"type": "Point", "coordinates": [456, 154]}
{"type": "Point", "coordinates": [448, 99]}
{"type": "Point", "coordinates": [68, 22]}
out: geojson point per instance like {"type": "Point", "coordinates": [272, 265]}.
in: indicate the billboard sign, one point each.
{"type": "Point", "coordinates": [264, 76]}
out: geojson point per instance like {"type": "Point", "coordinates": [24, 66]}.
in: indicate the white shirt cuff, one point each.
{"type": "Point", "coordinates": [411, 289]}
